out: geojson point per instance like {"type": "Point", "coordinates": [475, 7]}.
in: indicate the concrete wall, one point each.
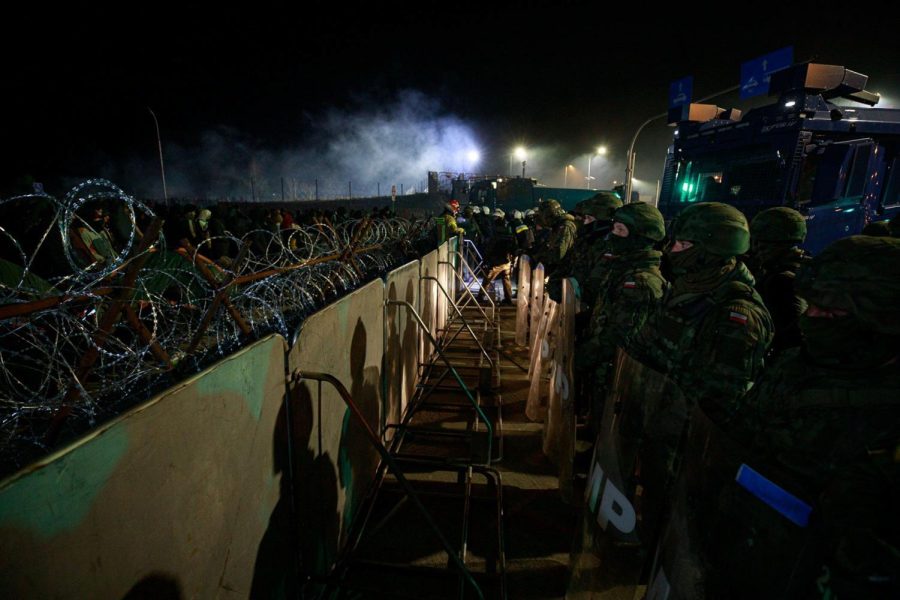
{"type": "Point", "coordinates": [401, 343]}
{"type": "Point", "coordinates": [334, 462]}
{"type": "Point", "coordinates": [183, 493]}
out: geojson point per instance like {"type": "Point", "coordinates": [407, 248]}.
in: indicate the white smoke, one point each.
{"type": "Point", "coordinates": [356, 151]}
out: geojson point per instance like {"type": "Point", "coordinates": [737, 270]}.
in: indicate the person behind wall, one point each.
{"type": "Point", "coordinates": [445, 223]}
{"type": "Point", "coordinates": [498, 256]}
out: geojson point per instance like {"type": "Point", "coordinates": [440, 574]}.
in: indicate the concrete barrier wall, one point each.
{"type": "Point", "coordinates": [401, 339]}
{"type": "Point", "coordinates": [428, 266]}
{"type": "Point", "coordinates": [184, 494]}
{"type": "Point", "coordinates": [334, 462]}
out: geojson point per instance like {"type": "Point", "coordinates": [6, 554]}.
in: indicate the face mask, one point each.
{"type": "Point", "coordinates": [686, 261]}
{"type": "Point", "coordinates": [622, 245]}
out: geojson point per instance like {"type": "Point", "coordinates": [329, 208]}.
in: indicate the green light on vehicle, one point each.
{"type": "Point", "coordinates": [684, 187]}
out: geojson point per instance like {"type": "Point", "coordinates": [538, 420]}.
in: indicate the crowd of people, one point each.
{"type": "Point", "coordinates": [738, 343]}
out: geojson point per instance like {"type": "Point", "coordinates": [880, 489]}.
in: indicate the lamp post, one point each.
{"type": "Point", "coordinates": [162, 166]}
{"type": "Point", "coordinates": [566, 176]}
{"type": "Point", "coordinates": [601, 151]}
{"type": "Point", "coordinates": [521, 155]}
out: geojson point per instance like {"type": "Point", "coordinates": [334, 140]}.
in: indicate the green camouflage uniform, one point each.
{"type": "Point", "coordinates": [631, 289]}
{"type": "Point", "coordinates": [558, 246]}
{"type": "Point", "coordinates": [590, 241]}
{"type": "Point", "coordinates": [774, 260]}
{"type": "Point", "coordinates": [823, 424]}
{"type": "Point", "coordinates": [711, 332]}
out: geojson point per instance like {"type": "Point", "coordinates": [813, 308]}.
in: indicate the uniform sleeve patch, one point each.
{"type": "Point", "coordinates": [737, 317]}
{"type": "Point", "coordinates": [629, 285]}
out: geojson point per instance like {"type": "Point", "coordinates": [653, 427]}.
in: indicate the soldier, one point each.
{"type": "Point", "coordinates": [473, 231]}
{"type": "Point", "coordinates": [803, 482]}
{"type": "Point", "coordinates": [554, 253]}
{"type": "Point", "coordinates": [498, 258]}
{"type": "Point", "coordinates": [631, 289]}
{"type": "Point", "coordinates": [703, 345]}
{"type": "Point", "coordinates": [709, 336]}
{"type": "Point", "coordinates": [590, 243]}
{"type": "Point", "coordinates": [774, 259]}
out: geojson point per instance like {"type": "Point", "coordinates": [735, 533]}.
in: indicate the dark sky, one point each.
{"type": "Point", "coordinates": [266, 89]}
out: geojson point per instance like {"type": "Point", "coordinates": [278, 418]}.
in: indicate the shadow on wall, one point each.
{"type": "Point", "coordinates": [400, 357]}
{"type": "Point", "coordinates": [358, 460]}
{"type": "Point", "coordinates": [276, 570]}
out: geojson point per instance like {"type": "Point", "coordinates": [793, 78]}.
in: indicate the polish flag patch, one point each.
{"type": "Point", "coordinates": [737, 317]}
{"type": "Point", "coordinates": [629, 285]}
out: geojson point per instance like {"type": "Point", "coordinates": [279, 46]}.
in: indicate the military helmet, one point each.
{"type": "Point", "coordinates": [551, 207]}
{"type": "Point", "coordinates": [603, 205]}
{"type": "Point", "coordinates": [778, 224]}
{"type": "Point", "coordinates": [859, 274]}
{"type": "Point", "coordinates": [642, 219]}
{"type": "Point", "coordinates": [717, 228]}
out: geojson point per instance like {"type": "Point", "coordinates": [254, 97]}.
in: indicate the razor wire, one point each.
{"type": "Point", "coordinates": [64, 264]}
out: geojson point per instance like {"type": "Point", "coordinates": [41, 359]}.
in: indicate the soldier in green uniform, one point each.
{"type": "Point", "coordinates": [597, 214]}
{"type": "Point", "coordinates": [712, 330]}
{"type": "Point", "coordinates": [796, 496]}
{"type": "Point", "coordinates": [630, 290]}
{"type": "Point", "coordinates": [554, 253]}
{"type": "Point", "coordinates": [703, 345]}
{"type": "Point", "coordinates": [709, 337]}
{"type": "Point", "coordinates": [473, 231]}
{"type": "Point", "coordinates": [775, 257]}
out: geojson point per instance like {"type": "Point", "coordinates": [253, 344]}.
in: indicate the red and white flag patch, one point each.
{"type": "Point", "coordinates": [629, 285]}
{"type": "Point", "coordinates": [737, 317]}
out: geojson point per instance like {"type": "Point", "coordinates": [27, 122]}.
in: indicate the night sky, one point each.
{"type": "Point", "coordinates": [377, 96]}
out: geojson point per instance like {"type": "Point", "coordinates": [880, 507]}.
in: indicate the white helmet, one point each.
{"type": "Point", "coordinates": [486, 210]}
{"type": "Point", "coordinates": [499, 213]}
{"type": "Point", "coordinates": [517, 214]}
{"type": "Point", "coordinates": [529, 212]}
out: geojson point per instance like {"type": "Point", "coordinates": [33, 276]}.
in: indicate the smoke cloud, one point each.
{"type": "Point", "coordinates": [348, 151]}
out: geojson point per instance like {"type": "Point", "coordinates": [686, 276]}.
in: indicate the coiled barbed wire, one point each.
{"type": "Point", "coordinates": [65, 263]}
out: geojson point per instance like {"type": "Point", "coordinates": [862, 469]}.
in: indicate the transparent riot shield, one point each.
{"type": "Point", "coordinates": [643, 415]}
{"type": "Point", "coordinates": [736, 528]}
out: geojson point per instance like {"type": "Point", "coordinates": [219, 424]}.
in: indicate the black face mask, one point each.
{"type": "Point", "coordinates": [697, 271]}
{"type": "Point", "coordinates": [622, 245]}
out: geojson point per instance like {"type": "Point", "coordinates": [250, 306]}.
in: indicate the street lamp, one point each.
{"type": "Point", "coordinates": [601, 151]}
{"type": "Point", "coordinates": [520, 154]}
{"type": "Point", "coordinates": [162, 166]}
{"type": "Point", "coordinates": [566, 176]}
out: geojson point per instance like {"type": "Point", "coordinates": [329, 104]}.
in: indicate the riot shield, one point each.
{"type": "Point", "coordinates": [541, 363]}
{"type": "Point", "coordinates": [735, 529]}
{"type": "Point", "coordinates": [523, 299]}
{"type": "Point", "coordinates": [537, 301]}
{"type": "Point", "coordinates": [625, 496]}
{"type": "Point", "coordinates": [559, 425]}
